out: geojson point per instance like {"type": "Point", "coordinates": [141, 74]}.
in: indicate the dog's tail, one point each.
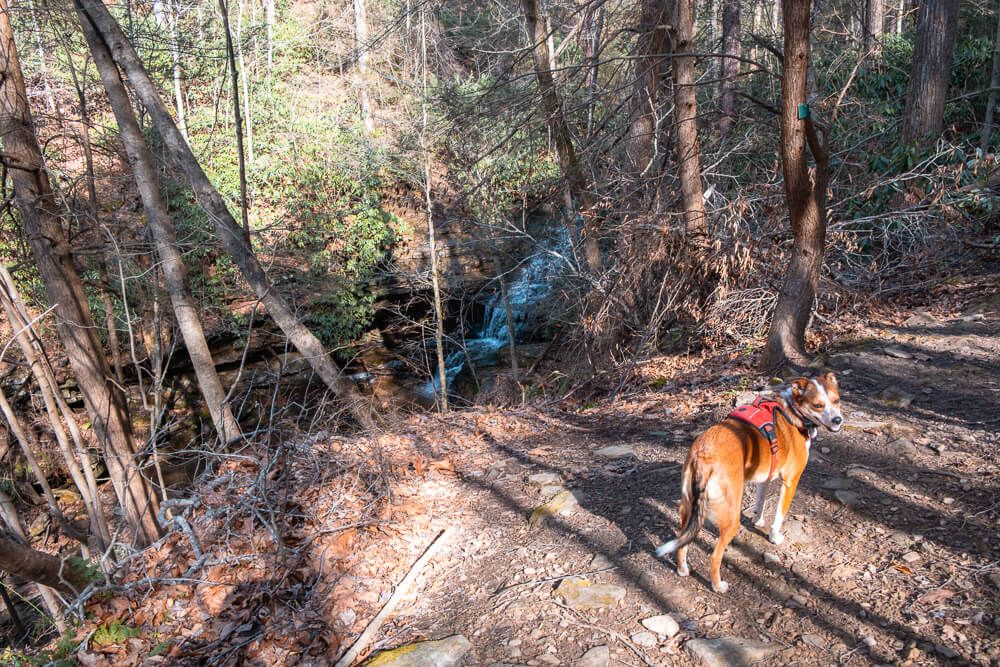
{"type": "Point", "coordinates": [693, 495]}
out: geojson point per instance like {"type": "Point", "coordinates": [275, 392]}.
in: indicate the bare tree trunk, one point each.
{"type": "Point", "coordinates": [269, 19]}
{"type": "Point", "coordinates": [247, 114]}
{"type": "Point", "coordinates": [573, 171]}
{"type": "Point", "coordinates": [806, 199]}
{"type": "Point", "coordinates": [593, 48]}
{"type": "Point", "coordinates": [162, 228]}
{"type": "Point", "coordinates": [874, 28]}
{"type": "Point", "coordinates": [38, 566]}
{"type": "Point", "coordinates": [237, 118]}
{"type": "Point", "coordinates": [54, 260]}
{"type": "Point", "coordinates": [233, 238]}
{"type": "Point", "coordinates": [930, 75]}
{"type": "Point", "coordinates": [900, 14]}
{"type": "Point", "coordinates": [173, 17]}
{"type": "Point", "coordinates": [650, 64]}
{"type": "Point", "coordinates": [730, 65]}
{"type": "Point", "coordinates": [991, 101]}
{"type": "Point", "coordinates": [107, 302]}
{"type": "Point", "coordinates": [42, 67]}
{"type": "Point", "coordinates": [431, 239]}
{"type": "Point", "coordinates": [686, 110]}
{"type": "Point", "coordinates": [361, 47]}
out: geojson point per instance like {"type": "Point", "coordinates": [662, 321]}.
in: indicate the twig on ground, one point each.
{"type": "Point", "coordinates": [376, 623]}
{"type": "Point", "coordinates": [611, 633]}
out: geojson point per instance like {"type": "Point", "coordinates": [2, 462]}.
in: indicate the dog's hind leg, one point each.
{"type": "Point", "coordinates": [758, 506]}
{"type": "Point", "coordinates": [682, 554]}
{"type": "Point", "coordinates": [727, 517]}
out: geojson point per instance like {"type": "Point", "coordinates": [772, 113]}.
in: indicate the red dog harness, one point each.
{"type": "Point", "coordinates": [760, 415]}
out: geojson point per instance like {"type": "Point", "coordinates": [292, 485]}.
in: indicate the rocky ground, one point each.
{"type": "Point", "coordinates": [892, 545]}
{"type": "Point", "coordinates": [544, 521]}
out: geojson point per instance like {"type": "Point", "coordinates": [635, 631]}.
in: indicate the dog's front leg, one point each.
{"type": "Point", "coordinates": [758, 508]}
{"type": "Point", "coordinates": [787, 492]}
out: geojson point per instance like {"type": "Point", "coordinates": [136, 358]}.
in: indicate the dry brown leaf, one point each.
{"type": "Point", "coordinates": [936, 596]}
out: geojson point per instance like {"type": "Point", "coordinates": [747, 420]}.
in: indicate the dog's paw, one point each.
{"type": "Point", "coordinates": [776, 538]}
{"type": "Point", "coordinates": [721, 588]}
{"type": "Point", "coordinates": [759, 523]}
{"type": "Point", "coordinates": [683, 570]}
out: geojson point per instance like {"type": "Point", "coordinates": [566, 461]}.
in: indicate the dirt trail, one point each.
{"type": "Point", "coordinates": [892, 546]}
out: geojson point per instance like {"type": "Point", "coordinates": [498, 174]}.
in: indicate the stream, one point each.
{"type": "Point", "coordinates": [533, 282]}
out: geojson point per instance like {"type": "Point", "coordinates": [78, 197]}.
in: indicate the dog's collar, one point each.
{"type": "Point", "coordinates": [806, 425]}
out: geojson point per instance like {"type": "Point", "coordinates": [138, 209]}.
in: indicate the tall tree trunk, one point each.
{"type": "Point", "coordinates": [650, 64]}
{"type": "Point", "coordinates": [874, 28]}
{"type": "Point", "coordinates": [806, 199]}
{"type": "Point", "coordinates": [573, 171]}
{"type": "Point", "coordinates": [900, 15]}
{"type": "Point", "coordinates": [162, 228]}
{"type": "Point", "coordinates": [991, 101]}
{"type": "Point", "coordinates": [730, 64]}
{"type": "Point", "coordinates": [38, 566]}
{"type": "Point", "coordinates": [244, 77]}
{"type": "Point", "coordinates": [930, 74]}
{"type": "Point", "coordinates": [592, 51]}
{"type": "Point", "coordinates": [686, 110]}
{"type": "Point", "coordinates": [431, 236]}
{"type": "Point", "coordinates": [232, 236]}
{"type": "Point", "coordinates": [361, 47]}
{"type": "Point", "coordinates": [42, 67]}
{"type": "Point", "coordinates": [110, 321]}
{"type": "Point", "coordinates": [173, 18]}
{"type": "Point", "coordinates": [237, 117]}
{"type": "Point", "coordinates": [269, 19]}
{"type": "Point", "coordinates": [54, 260]}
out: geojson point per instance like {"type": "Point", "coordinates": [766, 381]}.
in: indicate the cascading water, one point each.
{"type": "Point", "coordinates": [532, 286]}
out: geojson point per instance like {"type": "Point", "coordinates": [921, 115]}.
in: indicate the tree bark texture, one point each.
{"type": "Point", "coordinates": [64, 289]}
{"type": "Point", "coordinates": [874, 28]}
{"type": "Point", "coordinates": [930, 74]}
{"type": "Point", "coordinates": [806, 199]}
{"type": "Point", "coordinates": [232, 236]}
{"type": "Point", "coordinates": [651, 64]}
{"type": "Point", "coordinates": [237, 117]}
{"type": "Point", "coordinates": [569, 162]}
{"type": "Point", "coordinates": [686, 120]}
{"type": "Point", "coordinates": [38, 566]}
{"type": "Point", "coordinates": [165, 240]}
{"type": "Point", "coordinates": [730, 68]}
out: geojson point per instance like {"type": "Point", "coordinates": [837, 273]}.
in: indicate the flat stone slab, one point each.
{"type": "Point", "coordinates": [615, 451]}
{"type": "Point", "coordinates": [663, 624]}
{"type": "Point", "coordinates": [730, 651]}
{"type": "Point", "coordinates": [598, 656]}
{"type": "Point", "coordinates": [581, 593]}
{"type": "Point", "coordinates": [445, 652]}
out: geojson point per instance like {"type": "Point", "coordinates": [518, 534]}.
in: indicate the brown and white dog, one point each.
{"type": "Point", "coordinates": [734, 451]}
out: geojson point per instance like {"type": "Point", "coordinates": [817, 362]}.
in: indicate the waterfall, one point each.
{"type": "Point", "coordinates": [533, 284]}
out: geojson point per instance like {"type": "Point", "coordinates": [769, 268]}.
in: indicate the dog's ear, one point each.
{"type": "Point", "coordinates": [799, 386]}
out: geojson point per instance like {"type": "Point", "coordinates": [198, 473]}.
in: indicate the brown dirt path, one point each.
{"type": "Point", "coordinates": [908, 574]}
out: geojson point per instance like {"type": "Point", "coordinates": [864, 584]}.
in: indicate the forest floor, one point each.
{"type": "Point", "coordinates": [891, 554]}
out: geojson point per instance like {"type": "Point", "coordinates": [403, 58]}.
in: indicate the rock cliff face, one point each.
{"type": "Point", "coordinates": [469, 253]}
